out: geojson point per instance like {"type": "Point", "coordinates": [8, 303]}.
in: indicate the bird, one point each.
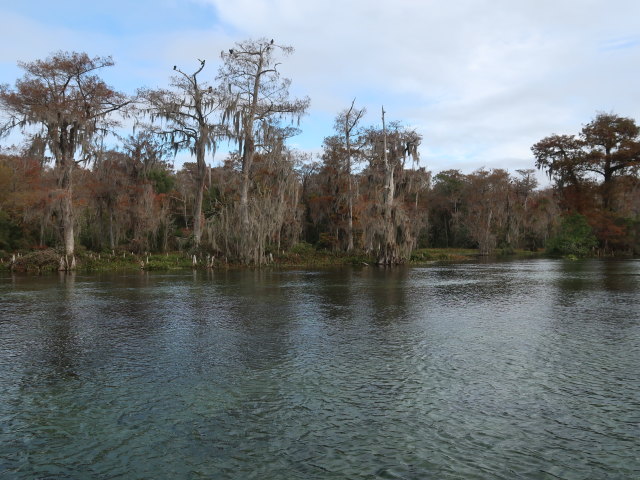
{"type": "Point", "coordinates": [231, 51]}
{"type": "Point", "coordinates": [175, 67]}
{"type": "Point", "coordinates": [272, 41]}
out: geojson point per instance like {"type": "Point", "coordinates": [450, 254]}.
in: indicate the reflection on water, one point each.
{"type": "Point", "coordinates": [495, 370]}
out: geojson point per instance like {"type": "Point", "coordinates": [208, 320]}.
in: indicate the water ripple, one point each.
{"type": "Point", "coordinates": [489, 371]}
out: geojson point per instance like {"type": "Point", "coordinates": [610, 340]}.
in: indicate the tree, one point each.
{"type": "Point", "coordinates": [108, 188]}
{"type": "Point", "coordinates": [520, 213]}
{"type": "Point", "coordinates": [389, 231]}
{"type": "Point", "coordinates": [487, 209]}
{"type": "Point", "coordinates": [257, 99]}
{"type": "Point", "coordinates": [70, 107]}
{"type": "Point", "coordinates": [346, 123]}
{"type": "Point", "coordinates": [446, 205]}
{"type": "Point", "coordinates": [24, 206]}
{"type": "Point", "coordinates": [607, 147]}
{"type": "Point", "coordinates": [188, 111]}
{"type": "Point", "coordinates": [331, 200]}
{"type": "Point", "coordinates": [144, 154]}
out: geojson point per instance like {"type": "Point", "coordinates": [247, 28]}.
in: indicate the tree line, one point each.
{"type": "Point", "coordinates": [70, 182]}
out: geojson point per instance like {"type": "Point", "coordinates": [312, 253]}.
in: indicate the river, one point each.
{"type": "Point", "coordinates": [505, 370]}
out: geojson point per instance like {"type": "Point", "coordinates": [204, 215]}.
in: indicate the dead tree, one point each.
{"type": "Point", "coordinates": [188, 115]}
{"type": "Point", "coordinates": [346, 124]}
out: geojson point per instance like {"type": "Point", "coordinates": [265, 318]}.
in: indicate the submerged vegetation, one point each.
{"type": "Point", "coordinates": [75, 195]}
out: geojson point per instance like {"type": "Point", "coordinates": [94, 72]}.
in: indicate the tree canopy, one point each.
{"type": "Point", "coordinates": [606, 147]}
{"type": "Point", "coordinates": [70, 106]}
{"type": "Point", "coordinates": [66, 186]}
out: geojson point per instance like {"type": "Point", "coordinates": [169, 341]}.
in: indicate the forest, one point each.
{"type": "Point", "coordinates": [76, 182]}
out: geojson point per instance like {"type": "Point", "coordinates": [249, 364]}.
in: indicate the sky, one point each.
{"type": "Point", "coordinates": [480, 80]}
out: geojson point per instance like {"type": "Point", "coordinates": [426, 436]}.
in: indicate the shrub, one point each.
{"type": "Point", "coordinates": [302, 248]}
{"type": "Point", "coordinates": [575, 237]}
{"type": "Point", "coordinates": [38, 260]}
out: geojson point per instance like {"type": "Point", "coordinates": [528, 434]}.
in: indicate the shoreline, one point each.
{"type": "Point", "coordinates": [41, 261]}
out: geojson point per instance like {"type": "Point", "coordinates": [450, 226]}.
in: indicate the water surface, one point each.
{"type": "Point", "coordinates": [527, 369]}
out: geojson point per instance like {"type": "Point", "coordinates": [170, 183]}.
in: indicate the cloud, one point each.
{"type": "Point", "coordinates": [478, 76]}
{"type": "Point", "coordinates": [482, 80]}
{"type": "Point", "coordinates": [622, 43]}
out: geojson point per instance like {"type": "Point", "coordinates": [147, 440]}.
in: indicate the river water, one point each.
{"type": "Point", "coordinates": [524, 369]}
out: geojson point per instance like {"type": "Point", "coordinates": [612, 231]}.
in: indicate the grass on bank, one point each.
{"type": "Point", "coordinates": [425, 255]}
{"type": "Point", "coordinates": [48, 260]}
{"type": "Point", "coordinates": [301, 255]}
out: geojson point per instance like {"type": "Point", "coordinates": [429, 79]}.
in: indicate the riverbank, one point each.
{"type": "Point", "coordinates": [301, 255]}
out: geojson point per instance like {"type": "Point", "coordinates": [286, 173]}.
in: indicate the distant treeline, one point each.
{"type": "Point", "coordinates": [366, 193]}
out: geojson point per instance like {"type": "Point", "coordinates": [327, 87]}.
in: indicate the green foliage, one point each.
{"type": "Point", "coordinates": [327, 241]}
{"type": "Point", "coordinates": [421, 255]}
{"type": "Point", "coordinates": [168, 262]}
{"type": "Point", "coordinates": [302, 248]}
{"type": "Point", "coordinates": [506, 250]}
{"type": "Point", "coordinates": [94, 262]}
{"type": "Point", "coordinates": [443, 254]}
{"type": "Point", "coordinates": [574, 238]}
{"type": "Point", "coordinates": [306, 255]}
{"type": "Point", "coordinates": [634, 229]}
{"type": "Point", "coordinates": [163, 181]}
{"type": "Point", "coordinates": [10, 233]}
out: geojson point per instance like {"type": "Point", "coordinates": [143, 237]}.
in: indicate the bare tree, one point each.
{"type": "Point", "coordinates": [258, 98]}
{"type": "Point", "coordinates": [346, 123]}
{"type": "Point", "coordinates": [188, 114]}
{"type": "Point", "coordinates": [67, 107]}
{"type": "Point", "coordinates": [144, 153]}
{"type": "Point", "coordinates": [487, 212]}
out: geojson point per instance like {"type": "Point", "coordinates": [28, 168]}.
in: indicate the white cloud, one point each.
{"type": "Point", "coordinates": [481, 76]}
{"type": "Point", "coordinates": [482, 79]}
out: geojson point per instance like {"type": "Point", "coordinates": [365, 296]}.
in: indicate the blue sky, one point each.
{"type": "Point", "coordinates": [481, 80]}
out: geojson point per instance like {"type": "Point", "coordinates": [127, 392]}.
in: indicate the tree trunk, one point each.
{"type": "Point", "coordinates": [198, 218]}
{"type": "Point", "coordinates": [165, 236]}
{"type": "Point", "coordinates": [388, 253]}
{"type": "Point", "coordinates": [606, 188]}
{"type": "Point", "coordinates": [349, 193]}
{"type": "Point", "coordinates": [42, 230]}
{"type": "Point", "coordinates": [112, 241]}
{"type": "Point", "coordinates": [66, 206]}
{"type": "Point", "coordinates": [247, 159]}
